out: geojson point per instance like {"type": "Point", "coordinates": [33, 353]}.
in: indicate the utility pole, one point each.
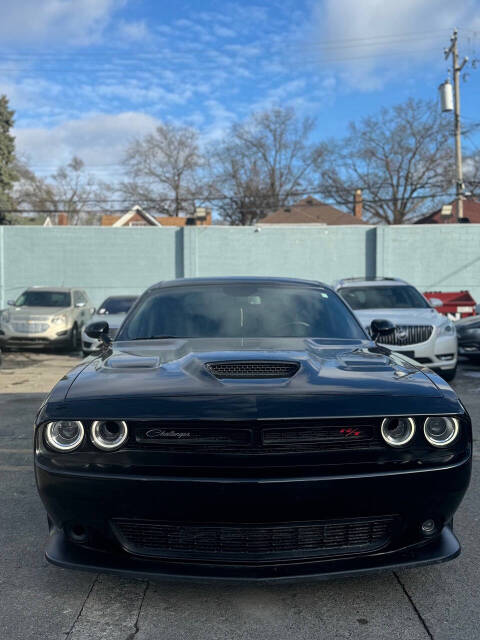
{"type": "Point", "coordinates": [456, 68]}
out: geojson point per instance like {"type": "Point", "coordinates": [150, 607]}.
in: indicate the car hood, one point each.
{"type": "Point", "coordinates": [20, 313]}
{"type": "Point", "coordinates": [468, 322]}
{"type": "Point", "coordinates": [114, 319]}
{"type": "Point", "coordinates": [401, 316]}
{"type": "Point", "coordinates": [170, 378]}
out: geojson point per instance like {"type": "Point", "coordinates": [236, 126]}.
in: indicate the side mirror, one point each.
{"type": "Point", "coordinates": [381, 328]}
{"type": "Point", "coordinates": [11, 303]}
{"type": "Point", "coordinates": [99, 331]}
{"type": "Point", "coordinates": [436, 302]}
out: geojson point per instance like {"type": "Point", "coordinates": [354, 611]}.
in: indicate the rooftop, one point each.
{"type": "Point", "coordinates": [471, 211]}
{"type": "Point", "coordinates": [310, 210]}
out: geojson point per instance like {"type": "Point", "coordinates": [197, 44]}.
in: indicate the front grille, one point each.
{"type": "Point", "coordinates": [30, 327]}
{"type": "Point", "coordinates": [333, 435]}
{"type": "Point", "coordinates": [405, 335]}
{"type": "Point", "coordinates": [188, 438]}
{"type": "Point", "coordinates": [254, 438]}
{"type": "Point", "coordinates": [252, 542]}
{"type": "Point", "coordinates": [253, 369]}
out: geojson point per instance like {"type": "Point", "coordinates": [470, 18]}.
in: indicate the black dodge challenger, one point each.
{"type": "Point", "coordinates": [249, 428]}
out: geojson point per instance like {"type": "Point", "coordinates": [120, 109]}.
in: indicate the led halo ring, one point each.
{"type": "Point", "coordinates": [436, 443]}
{"type": "Point", "coordinates": [101, 443]}
{"type": "Point", "coordinates": [390, 440]}
{"type": "Point", "coordinates": [57, 446]}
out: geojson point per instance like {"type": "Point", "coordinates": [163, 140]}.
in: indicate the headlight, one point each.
{"type": "Point", "coordinates": [109, 434]}
{"type": "Point", "coordinates": [447, 329]}
{"type": "Point", "coordinates": [64, 435]}
{"type": "Point", "coordinates": [398, 431]}
{"type": "Point", "coordinates": [440, 430]}
{"type": "Point", "coordinates": [59, 319]}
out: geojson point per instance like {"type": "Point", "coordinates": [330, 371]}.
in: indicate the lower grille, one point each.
{"type": "Point", "coordinates": [252, 542]}
{"type": "Point", "coordinates": [408, 334]}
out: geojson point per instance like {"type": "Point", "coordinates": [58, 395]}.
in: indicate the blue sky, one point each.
{"type": "Point", "coordinates": [87, 76]}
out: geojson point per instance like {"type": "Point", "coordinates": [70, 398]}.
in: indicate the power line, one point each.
{"type": "Point", "coordinates": [212, 199]}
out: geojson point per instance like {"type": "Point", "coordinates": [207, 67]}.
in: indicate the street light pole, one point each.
{"type": "Point", "coordinates": [456, 68]}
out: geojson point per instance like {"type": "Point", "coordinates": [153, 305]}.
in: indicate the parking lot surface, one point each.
{"type": "Point", "coordinates": [41, 601]}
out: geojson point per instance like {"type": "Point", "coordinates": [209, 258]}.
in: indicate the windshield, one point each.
{"type": "Point", "coordinates": [43, 299]}
{"type": "Point", "coordinates": [238, 310]}
{"type": "Point", "coordinates": [116, 305]}
{"type": "Point", "coordinates": [383, 297]}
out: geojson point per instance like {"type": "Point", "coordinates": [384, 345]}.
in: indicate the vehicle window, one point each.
{"type": "Point", "coordinates": [116, 305]}
{"type": "Point", "coordinates": [383, 297]}
{"type": "Point", "coordinates": [76, 297]}
{"type": "Point", "coordinates": [237, 310]}
{"type": "Point", "coordinates": [82, 297]}
{"type": "Point", "coordinates": [43, 299]}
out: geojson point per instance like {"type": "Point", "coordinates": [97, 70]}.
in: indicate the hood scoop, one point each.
{"type": "Point", "coordinates": [253, 369]}
{"type": "Point", "coordinates": [131, 362]}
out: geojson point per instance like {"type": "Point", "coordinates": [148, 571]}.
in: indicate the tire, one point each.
{"type": "Point", "coordinates": [449, 375]}
{"type": "Point", "coordinates": [74, 341]}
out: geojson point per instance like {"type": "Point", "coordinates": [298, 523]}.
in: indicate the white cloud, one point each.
{"type": "Point", "coordinates": [223, 32]}
{"type": "Point", "coordinates": [98, 139]}
{"type": "Point", "coordinates": [53, 21]}
{"type": "Point", "coordinates": [375, 40]}
{"type": "Point", "coordinates": [136, 31]}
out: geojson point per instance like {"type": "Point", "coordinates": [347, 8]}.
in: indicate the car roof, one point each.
{"type": "Point", "coordinates": [54, 289]}
{"type": "Point", "coordinates": [129, 296]}
{"type": "Point", "coordinates": [238, 280]}
{"type": "Point", "coordinates": [370, 282]}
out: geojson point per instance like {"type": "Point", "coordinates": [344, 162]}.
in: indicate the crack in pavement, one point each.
{"type": "Point", "coordinates": [135, 626]}
{"type": "Point", "coordinates": [414, 606]}
{"type": "Point", "coordinates": [77, 617]}
{"type": "Point", "coordinates": [111, 610]}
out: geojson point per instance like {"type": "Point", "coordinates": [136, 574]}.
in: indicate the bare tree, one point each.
{"type": "Point", "coordinates": [163, 170]}
{"type": "Point", "coordinates": [261, 165]}
{"type": "Point", "coordinates": [401, 158]}
{"type": "Point", "coordinates": [69, 190]}
{"type": "Point", "coordinates": [471, 172]}
{"type": "Point", "coordinates": [238, 189]}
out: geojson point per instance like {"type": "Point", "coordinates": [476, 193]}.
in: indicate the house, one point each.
{"type": "Point", "coordinates": [313, 211]}
{"type": "Point", "coordinates": [137, 217]}
{"type": "Point", "coordinates": [448, 213]}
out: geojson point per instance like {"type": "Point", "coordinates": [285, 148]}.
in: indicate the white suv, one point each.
{"type": "Point", "coordinates": [421, 332]}
{"type": "Point", "coordinates": [45, 316]}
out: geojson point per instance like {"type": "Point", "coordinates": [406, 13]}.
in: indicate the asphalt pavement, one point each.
{"type": "Point", "coordinates": [39, 601]}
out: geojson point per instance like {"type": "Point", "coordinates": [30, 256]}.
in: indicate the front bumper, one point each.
{"type": "Point", "coordinates": [63, 553]}
{"type": "Point", "coordinates": [94, 500]}
{"type": "Point", "coordinates": [469, 342]}
{"type": "Point", "coordinates": [54, 335]}
{"type": "Point", "coordinates": [89, 345]}
{"type": "Point", "coordinates": [438, 352]}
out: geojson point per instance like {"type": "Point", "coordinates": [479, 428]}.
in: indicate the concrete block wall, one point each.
{"type": "Point", "coordinates": [317, 253]}
{"type": "Point", "coordinates": [108, 261]}
{"type": "Point", "coordinates": [440, 257]}
{"type": "Point", "coordinates": [104, 261]}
